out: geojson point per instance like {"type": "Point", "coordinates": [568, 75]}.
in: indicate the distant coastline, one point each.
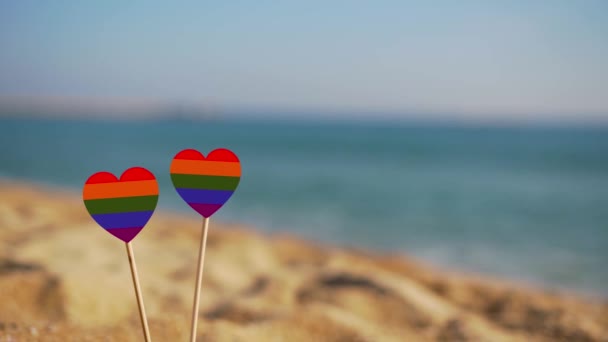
{"type": "Point", "coordinates": [152, 109]}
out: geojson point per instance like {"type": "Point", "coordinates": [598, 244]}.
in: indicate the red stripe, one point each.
{"type": "Point", "coordinates": [133, 174]}
{"type": "Point", "coordinates": [220, 154]}
{"type": "Point", "coordinates": [189, 154]}
{"type": "Point", "coordinates": [136, 174]}
{"type": "Point", "coordinates": [101, 177]}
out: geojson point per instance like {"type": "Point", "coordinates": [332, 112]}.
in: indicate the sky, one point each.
{"type": "Point", "coordinates": [456, 59]}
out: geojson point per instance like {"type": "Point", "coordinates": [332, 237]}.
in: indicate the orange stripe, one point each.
{"type": "Point", "coordinates": [120, 189]}
{"type": "Point", "coordinates": [205, 167]}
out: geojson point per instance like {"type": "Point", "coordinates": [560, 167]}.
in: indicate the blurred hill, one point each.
{"type": "Point", "coordinates": [100, 108]}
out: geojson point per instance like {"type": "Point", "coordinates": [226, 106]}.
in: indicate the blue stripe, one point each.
{"type": "Point", "coordinates": [199, 196]}
{"type": "Point", "coordinates": [134, 219]}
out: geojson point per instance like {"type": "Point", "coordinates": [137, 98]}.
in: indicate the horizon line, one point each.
{"type": "Point", "coordinates": [153, 108]}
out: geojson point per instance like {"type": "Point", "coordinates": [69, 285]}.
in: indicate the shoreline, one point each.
{"type": "Point", "coordinates": [256, 284]}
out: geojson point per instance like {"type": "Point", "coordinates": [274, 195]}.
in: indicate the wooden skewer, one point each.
{"type": "Point", "coordinates": [140, 300]}
{"type": "Point", "coordinates": [199, 279]}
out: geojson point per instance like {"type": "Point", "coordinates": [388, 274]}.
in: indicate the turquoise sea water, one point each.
{"type": "Point", "coordinates": [529, 204]}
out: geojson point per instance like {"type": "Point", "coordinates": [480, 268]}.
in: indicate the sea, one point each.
{"type": "Point", "coordinates": [528, 203]}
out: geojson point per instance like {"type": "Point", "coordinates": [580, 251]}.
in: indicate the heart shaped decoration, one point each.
{"type": "Point", "coordinates": [205, 183]}
{"type": "Point", "coordinates": [121, 206]}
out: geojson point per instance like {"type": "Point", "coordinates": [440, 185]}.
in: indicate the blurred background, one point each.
{"type": "Point", "coordinates": [471, 134]}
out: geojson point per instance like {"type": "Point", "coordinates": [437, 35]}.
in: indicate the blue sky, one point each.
{"type": "Point", "coordinates": [478, 59]}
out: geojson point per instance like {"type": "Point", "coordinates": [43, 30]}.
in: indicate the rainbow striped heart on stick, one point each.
{"type": "Point", "coordinates": [205, 184]}
{"type": "Point", "coordinates": [123, 207]}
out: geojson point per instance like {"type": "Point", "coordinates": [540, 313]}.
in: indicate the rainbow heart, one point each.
{"type": "Point", "coordinates": [122, 207]}
{"type": "Point", "coordinates": [205, 183]}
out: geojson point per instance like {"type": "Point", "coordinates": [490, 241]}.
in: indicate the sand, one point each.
{"type": "Point", "coordinates": [62, 278]}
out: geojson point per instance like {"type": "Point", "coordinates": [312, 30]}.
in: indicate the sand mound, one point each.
{"type": "Point", "coordinates": [62, 278]}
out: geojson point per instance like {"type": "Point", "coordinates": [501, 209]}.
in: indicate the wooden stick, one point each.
{"type": "Point", "coordinates": [199, 278]}
{"type": "Point", "coordinates": [140, 300]}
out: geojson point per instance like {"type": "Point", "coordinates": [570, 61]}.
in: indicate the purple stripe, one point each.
{"type": "Point", "coordinates": [125, 234]}
{"type": "Point", "coordinates": [123, 220]}
{"type": "Point", "coordinates": [200, 196]}
{"type": "Point", "coordinates": [205, 209]}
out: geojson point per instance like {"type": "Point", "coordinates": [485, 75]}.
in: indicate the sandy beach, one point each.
{"type": "Point", "coordinates": [62, 278]}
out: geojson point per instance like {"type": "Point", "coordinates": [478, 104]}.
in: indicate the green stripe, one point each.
{"type": "Point", "coordinates": [121, 204]}
{"type": "Point", "coordinates": [204, 182]}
